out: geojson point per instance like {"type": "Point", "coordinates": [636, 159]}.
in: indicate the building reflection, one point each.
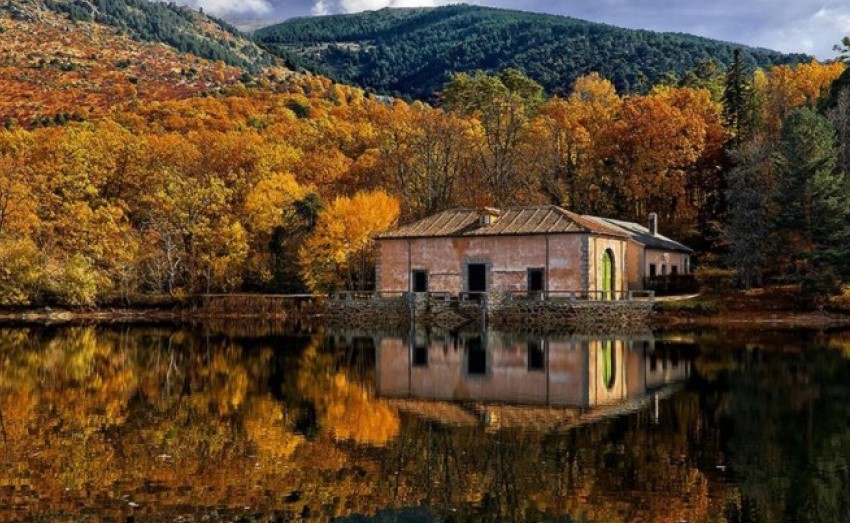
{"type": "Point", "coordinates": [497, 375]}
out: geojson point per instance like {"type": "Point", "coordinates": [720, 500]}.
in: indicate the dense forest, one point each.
{"type": "Point", "coordinates": [125, 173]}
{"type": "Point", "coordinates": [412, 52]}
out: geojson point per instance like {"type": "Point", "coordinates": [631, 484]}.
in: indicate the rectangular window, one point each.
{"type": "Point", "coordinates": [476, 357]}
{"type": "Point", "coordinates": [420, 355]}
{"type": "Point", "coordinates": [664, 269]}
{"type": "Point", "coordinates": [420, 281]}
{"type": "Point", "coordinates": [535, 280]}
{"type": "Point", "coordinates": [536, 356]}
{"type": "Point", "coordinates": [674, 270]}
{"type": "Point", "coordinates": [652, 271]}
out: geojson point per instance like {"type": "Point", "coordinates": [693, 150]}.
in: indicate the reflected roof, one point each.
{"type": "Point", "coordinates": [527, 417]}
{"type": "Point", "coordinates": [544, 219]}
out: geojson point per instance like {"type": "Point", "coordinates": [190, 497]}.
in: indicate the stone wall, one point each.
{"type": "Point", "coordinates": [497, 310]}
{"type": "Point", "coordinates": [376, 312]}
{"type": "Point", "coordinates": [552, 313]}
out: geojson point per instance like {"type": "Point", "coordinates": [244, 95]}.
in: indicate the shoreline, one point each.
{"type": "Point", "coordinates": [753, 320]}
{"type": "Point", "coordinates": [660, 320]}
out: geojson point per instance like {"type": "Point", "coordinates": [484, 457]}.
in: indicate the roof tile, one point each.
{"type": "Point", "coordinates": [547, 219]}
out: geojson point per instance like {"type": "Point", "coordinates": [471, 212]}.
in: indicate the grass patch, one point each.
{"type": "Point", "coordinates": [692, 306]}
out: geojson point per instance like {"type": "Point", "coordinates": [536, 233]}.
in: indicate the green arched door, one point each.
{"type": "Point", "coordinates": [608, 286]}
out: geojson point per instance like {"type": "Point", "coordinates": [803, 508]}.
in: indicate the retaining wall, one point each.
{"type": "Point", "coordinates": [497, 310]}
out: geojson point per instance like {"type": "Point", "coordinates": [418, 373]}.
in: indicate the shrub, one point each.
{"type": "Point", "coordinates": [715, 280]}
{"type": "Point", "coordinates": [695, 306]}
{"type": "Point", "coordinates": [822, 283]}
{"type": "Point", "coordinates": [74, 282]}
{"type": "Point", "coordinates": [21, 273]}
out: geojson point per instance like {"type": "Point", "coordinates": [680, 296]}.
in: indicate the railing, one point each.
{"type": "Point", "coordinates": [365, 295]}
{"type": "Point", "coordinates": [477, 297]}
{"type": "Point", "coordinates": [581, 295]}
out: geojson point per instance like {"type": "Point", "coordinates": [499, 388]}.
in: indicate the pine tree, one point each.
{"type": "Point", "coordinates": [736, 97]}
{"type": "Point", "coordinates": [813, 197]}
{"type": "Point", "coordinates": [750, 210]}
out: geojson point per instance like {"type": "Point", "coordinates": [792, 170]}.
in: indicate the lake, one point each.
{"type": "Point", "coordinates": [257, 422]}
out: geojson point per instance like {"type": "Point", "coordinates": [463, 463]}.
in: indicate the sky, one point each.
{"type": "Point", "coordinates": [807, 26]}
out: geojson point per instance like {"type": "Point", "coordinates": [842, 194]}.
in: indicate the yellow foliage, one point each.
{"type": "Point", "coordinates": [339, 253]}
{"type": "Point", "coordinates": [21, 272]}
{"type": "Point", "coordinates": [270, 203]}
{"type": "Point", "coordinates": [350, 413]}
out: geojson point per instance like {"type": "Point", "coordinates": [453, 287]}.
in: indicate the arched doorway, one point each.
{"type": "Point", "coordinates": [608, 275]}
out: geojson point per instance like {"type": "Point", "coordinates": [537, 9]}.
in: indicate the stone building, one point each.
{"type": "Point", "coordinates": [650, 255]}
{"type": "Point", "coordinates": [518, 249]}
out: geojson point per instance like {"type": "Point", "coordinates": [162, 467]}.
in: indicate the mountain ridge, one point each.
{"type": "Point", "coordinates": [411, 51]}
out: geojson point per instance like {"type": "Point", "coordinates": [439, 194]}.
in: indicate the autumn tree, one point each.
{"type": "Point", "coordinates": [340, 253]}
{"type": "Point", "coordinates": [425, 155]}
{"type": "Point", "coordinates": [651, 148]}
{"type": "Point", "coordinates": [503, 104]}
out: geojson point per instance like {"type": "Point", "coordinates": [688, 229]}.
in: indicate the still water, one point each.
{"type": "Point", "coordinates": [244, 423]}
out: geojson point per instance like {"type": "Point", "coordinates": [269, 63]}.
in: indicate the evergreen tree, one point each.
{"type": "Point", "coordinates": [750, 210]}
{"type": "Point", "coordinates": [812, 195]}
{"type": "Point", "coordinates": [736, 98]}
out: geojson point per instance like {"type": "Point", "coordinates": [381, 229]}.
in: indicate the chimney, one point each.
{"type": "Point", "coordinates": [653, 224]}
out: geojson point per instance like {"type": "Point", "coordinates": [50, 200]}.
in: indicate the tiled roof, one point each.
{"type": "Point", "coordinates": [548, 219]}
{"type": "Point", "coordinates": [641, 234]}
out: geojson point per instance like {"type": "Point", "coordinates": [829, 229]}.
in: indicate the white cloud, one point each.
{"type": "Point", "coordinates": [326, 7]}
{"type": "Point", "coordinates": [814, 32]}
{"type": "Point", "coordinates": [230, 7]}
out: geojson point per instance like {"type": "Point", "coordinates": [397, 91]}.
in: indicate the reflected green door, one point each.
{"type": "Point", "coordinates": [608, 364]}
{"type": "Point", "coordinates": [607, 276]}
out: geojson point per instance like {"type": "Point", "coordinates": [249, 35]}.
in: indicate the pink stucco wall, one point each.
{"type": "Point", "coordinates": [680, 260]}
{"type": "Point", "coordinates": [509, 258]}
{"type": "Point", "coordinates": [575, 374]}
{"type": "Point", "coordinates": [508, 378]}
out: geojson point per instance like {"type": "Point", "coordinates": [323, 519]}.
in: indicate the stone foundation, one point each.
{"type": "Point", "coordinates": [553, 314]}
{"type": "Point", "coordinates": [366, 313]}
{"type": "Point", "coordinates": [493, 310]}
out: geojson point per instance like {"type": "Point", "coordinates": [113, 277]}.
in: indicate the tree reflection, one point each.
{"type": "Point", "coordinates": [190, 423]}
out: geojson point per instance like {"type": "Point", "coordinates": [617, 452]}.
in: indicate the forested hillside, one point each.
{"type": "Point", "coordinates": [128, 168]}
{"type": "Point", "coordinates": [181, 28]}
{"type": "Point", "coordinates": [54, 68]}
{"type": "Point", "coordinates": [411, 52]}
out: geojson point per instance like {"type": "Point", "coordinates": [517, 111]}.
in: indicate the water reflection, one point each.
{"type": "Point", "coordinates": [493, 367]}
{"type": "Point", "coordinates": [167, 422]}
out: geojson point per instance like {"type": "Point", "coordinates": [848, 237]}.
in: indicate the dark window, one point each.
{"type": "Point", "coordinates": [536, 355]}
{"type": "Point", "coordinates": [420, 281]}
{"type": "Point", "coordinates": [420, 355]}
{"type": "Point", "coordinates": [652, 271]}
{"type": "Point", "coordinates": [476, 363]}
{"type": "Point", "coordinates": [535, 280]}
{"type": "Point", "coordinates": [477, 277]}
{"type": "Point", "coordinates": [664, 269]}
{"type": "Point", "coordinates": [674, 270]}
